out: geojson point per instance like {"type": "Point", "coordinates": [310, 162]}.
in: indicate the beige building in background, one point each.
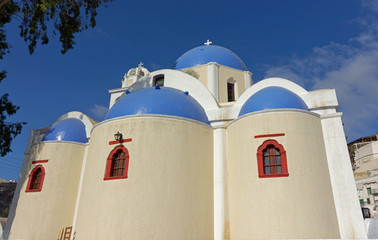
{"type": "Point", "coordinates": [193, 152]}
{"type": "Point", "coordinates": [365, 158]}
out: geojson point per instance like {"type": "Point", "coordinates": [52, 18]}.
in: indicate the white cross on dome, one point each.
{"type": "Point", "coordinates": [208, 42]}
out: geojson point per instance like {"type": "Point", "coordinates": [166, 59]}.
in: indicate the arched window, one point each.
{"type": "Point", "coordinates": [230, 92]}
{"type": "Point", "coordinates": [117, 163]}
{"type": "Point", "coordinates": [159, 80]}
{"type": "Point", "coordinates": [36, 178]}
{"type": "Point", "coordinates": [271, 160]}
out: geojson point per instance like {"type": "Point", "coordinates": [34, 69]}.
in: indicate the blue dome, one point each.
{"type": "Point", "coordinates": [211, 53]}
{"type": "Point", "coordinates": [158, 100]}
{"type": "Point", "coordinates": [272, 98]}
{"type": "Point", "coordinates": [69, 129]}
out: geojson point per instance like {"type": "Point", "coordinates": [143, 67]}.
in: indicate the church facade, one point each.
{"type": "Point", "coordinates": [193, 152]}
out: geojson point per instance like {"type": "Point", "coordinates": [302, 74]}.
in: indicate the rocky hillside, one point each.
{"type": "Point", "coordinates": [6, 194]}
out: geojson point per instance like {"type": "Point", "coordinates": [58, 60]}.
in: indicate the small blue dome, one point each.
{"type": "Point", "coordinates": [158, 100]}
{"type": "Point", "coordinates": [211, 53]}
{"type": "Point", "coordinates": [272, 98]}
{"type": "Point", "coordinates": [69, 129]}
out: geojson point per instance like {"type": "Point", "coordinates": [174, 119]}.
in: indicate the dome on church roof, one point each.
{"type": "Point", "coordinates": [272, 98]}
{"type": "Point", "coordinates": [69, 129]}
{"type": "Point", "coordinates": [209, 53]}
{"type": "Point", "coordinates": [159, 100]}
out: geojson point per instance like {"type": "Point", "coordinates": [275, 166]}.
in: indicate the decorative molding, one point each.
{"type": "Point", "coordinates": [120, 141]}
{"type": "Point", "coordinates": [40, 161]}
{"type": "Point", "coordinates": [270, 135]}
{"type": "Point", "coordinates": [332, 115]}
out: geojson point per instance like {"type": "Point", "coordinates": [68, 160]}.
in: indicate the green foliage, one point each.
{"type": "Point", "coordinates": [69, 17]}
{"type": "Point", "coordinates": [8, 130]}
{"type": "Point", "coordinates": [7, 10]}
{"type": "Point", "coordinates": [66, 17]}
{"type": "Point", "coordinates": [352, 151]}
{"type": "Point", "coordinates": [4, 213]}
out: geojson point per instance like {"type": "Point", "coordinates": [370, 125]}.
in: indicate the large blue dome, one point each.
{"type": "Point", "coordinates": [211, 53]}
{"type": "Point", "coordinates": [158, 100]}
{"type": "Point", "coordinates": [69, 129]}
{"type": "Point", "coordinates": [272, 98]}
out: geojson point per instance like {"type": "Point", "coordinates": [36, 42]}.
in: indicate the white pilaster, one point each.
{"type": "Point", "coordinates": [219, 160]}
{"type": "Point", "coordinates": [73, 232]}
{"type": "Point", "coordinates": [114, 95]}
{"type": "Point", "coordinates": [213, 79]}
{"type": "Point", "coordinates": [248, 79]}
{"type": "Point", "coordinates": [348, 211]}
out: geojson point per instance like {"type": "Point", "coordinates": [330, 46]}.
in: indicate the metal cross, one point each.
{"type": "Point", "coordinates": [140, 64]}
{"type": "Point", "coordinates": [208, 42]}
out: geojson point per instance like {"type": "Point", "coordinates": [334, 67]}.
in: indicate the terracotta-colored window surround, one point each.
{"type": "Point", "coordinates": [117, 164]}
{"type": "Point", "coordinates": [39, 161]}
{"type": "Point", "coordinates": [120, 141]}
{"type": "Point", "coordinates": [36, 178]}
{"type": "Point", "coordinates": [270, 135]}
{"type": "Point", "coordinates": [283, 160]}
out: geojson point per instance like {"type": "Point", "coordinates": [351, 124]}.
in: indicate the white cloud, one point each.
{"type": "Point", "coordinates": [351, 69]}
{"type": "Point", "coordinates": [370, 4]}
{"type": "Point", "coordinates": [155, 66]}
{"type": "Point", "coordinates": [99, 112]}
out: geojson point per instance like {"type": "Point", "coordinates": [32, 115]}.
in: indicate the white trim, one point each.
{"type": "Point", "coordinates": [60, 142]}
{"type": "Point", "coordinates": [151, 116]}
{"type": "Point", "coordinates": [181, 81]}
{"type": "Point", "coordinates": [332, 115]}
{"type": "Point", "coordinates": [274, 111]}
{"type": "Point", "coordinates": [87, 121]}
{"type": "Point", "coordinates": [116, 90]}
{"type": "Point", "coordinates": [271, 82]}
{"type": "Point", "coordinates": [219, 195]}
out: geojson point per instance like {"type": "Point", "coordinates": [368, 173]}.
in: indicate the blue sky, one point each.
{"type": "Point", "coordinates": [317, 44]}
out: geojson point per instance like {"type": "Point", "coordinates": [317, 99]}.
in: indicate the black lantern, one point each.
{"type": "Point", "coordinates": [118, 136]}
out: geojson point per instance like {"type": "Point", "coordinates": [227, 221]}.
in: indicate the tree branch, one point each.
{"type": "Point", "coordinates": [2, 4]}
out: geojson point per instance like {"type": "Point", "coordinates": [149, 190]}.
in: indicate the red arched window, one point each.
{"type": "Point", "coordinates": [117, 163]}
{"type": "Point", "coordinates": [271, 160]}
{"type": "Point", "coordinates": [36, 178]}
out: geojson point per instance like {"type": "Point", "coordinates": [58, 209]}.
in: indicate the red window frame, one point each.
{"type": "Point", "coordinates": [272, 164]}
{"type": "Point", "coordinates": [117, 166]}
{"type": "Point", "coordinates": [36, 178]}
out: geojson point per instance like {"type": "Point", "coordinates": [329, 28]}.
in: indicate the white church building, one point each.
{"type": "Point", "coordinates": [194, 152]}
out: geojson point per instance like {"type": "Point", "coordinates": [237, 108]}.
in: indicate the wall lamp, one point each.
{"type": "Point", "coordinates": [118, 136]}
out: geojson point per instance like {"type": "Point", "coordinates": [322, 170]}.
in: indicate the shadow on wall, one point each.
{"type": "Point", "coordinates": [191, 72]}
{"type": "Point", "coordinates": [372, 227]}
{"type": "Point", "coordinates": [142, 83]}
